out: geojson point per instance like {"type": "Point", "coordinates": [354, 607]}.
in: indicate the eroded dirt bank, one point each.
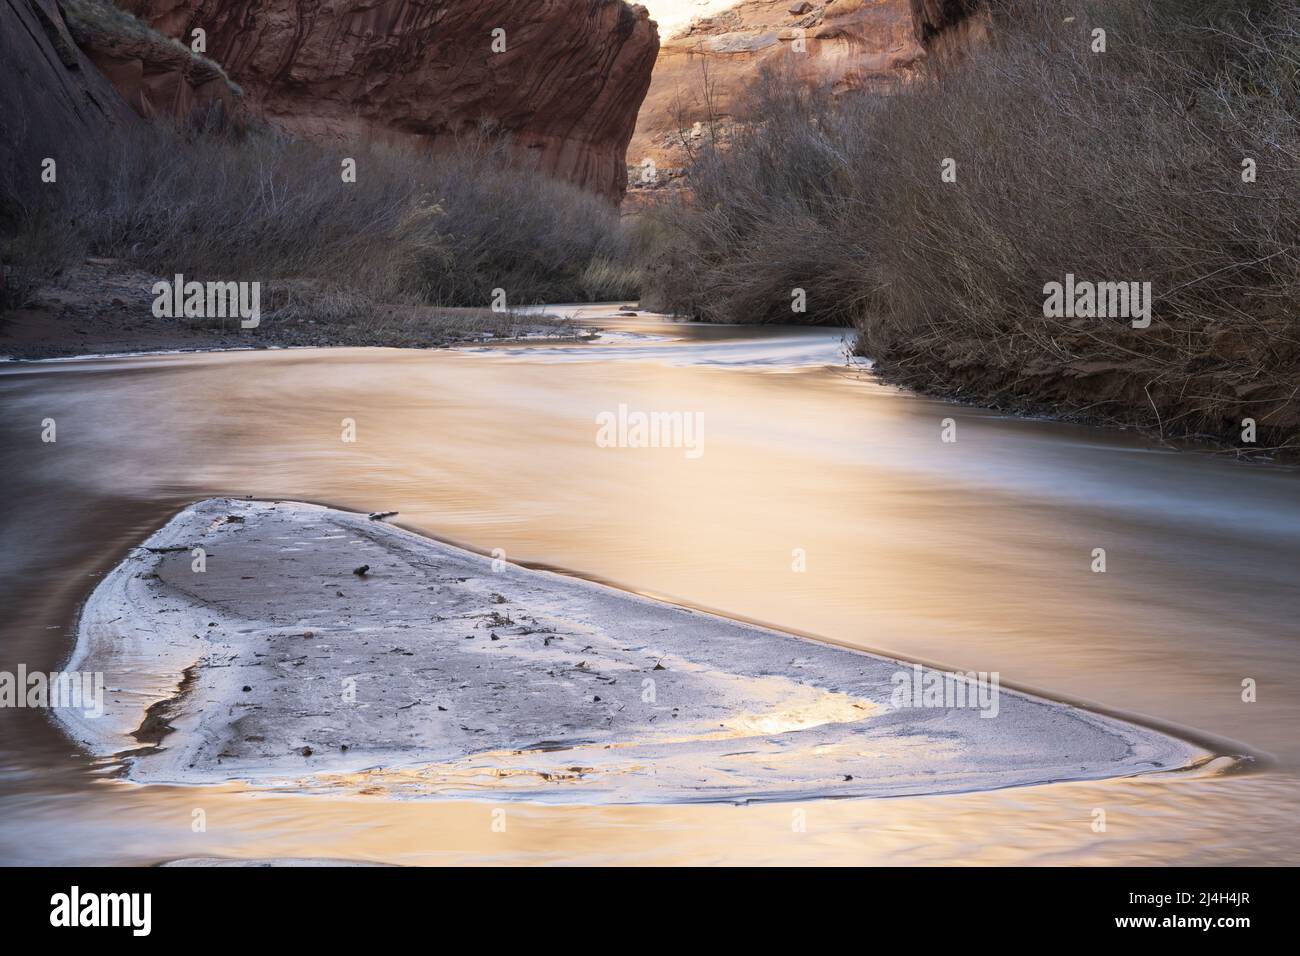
{"type": "Point", "coordinates": [1222, 388]}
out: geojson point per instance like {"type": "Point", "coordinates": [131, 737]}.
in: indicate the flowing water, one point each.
{"type": "Point", "coordinates": [823, 503]}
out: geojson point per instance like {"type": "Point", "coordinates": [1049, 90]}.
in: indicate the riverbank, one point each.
{"type": "Point", "coordinates": [410, 252]}
{"type": "Point", "coordinates": [965, 225]}
{"type": "Point", "coordinates": [104, 307]}
{"type": "Point", "coordinates": [1100, 392]}
{"type": "Point", "coordinates": [320, 650]}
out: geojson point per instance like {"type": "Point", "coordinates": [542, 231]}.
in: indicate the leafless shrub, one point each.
{"type": "Point", "coordinates": [443, 228]}
{"type": "Point", "coordinates": [1122, 166]}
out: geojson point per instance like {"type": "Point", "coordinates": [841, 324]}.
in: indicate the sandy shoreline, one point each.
{"type": "Point", "coordinates": [439, 672]}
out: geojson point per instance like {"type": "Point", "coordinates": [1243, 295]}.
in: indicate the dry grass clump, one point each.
{"type": "Point", "coordinates": [89, 20]}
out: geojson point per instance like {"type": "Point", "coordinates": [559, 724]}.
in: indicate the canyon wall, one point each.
{"type": "Point", "coordinates": [564, 77]}
{"type": "Point", "coordinates": [53, 102]}
{"type": "Point", "coordinates": [704, 68]}
{"type": "Point", "coordinates": [570, 80]}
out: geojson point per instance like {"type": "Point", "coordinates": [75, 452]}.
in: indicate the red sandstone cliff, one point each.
{"type": "Point", "coordinates": [848, 44]}
{"type": "Point", "coordinates": [567, 87]}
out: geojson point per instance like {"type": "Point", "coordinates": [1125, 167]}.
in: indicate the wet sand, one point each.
{"type": "Point", "coordinates": [324, 651]}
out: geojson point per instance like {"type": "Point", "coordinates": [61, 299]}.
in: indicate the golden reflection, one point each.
{"type": "Point", "coordinates": [974, 555]}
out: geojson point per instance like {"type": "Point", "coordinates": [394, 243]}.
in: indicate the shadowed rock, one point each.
{"type": "Point", "coordinates": [53, 102]}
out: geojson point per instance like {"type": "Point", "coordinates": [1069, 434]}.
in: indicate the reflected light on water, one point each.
{"type": "Point", "coordinates": [975, 555]}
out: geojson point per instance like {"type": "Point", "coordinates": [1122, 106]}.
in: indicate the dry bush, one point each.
{"type": "Point", "coordinates": [763, 214]}
{"type": "Point", "coordinates": [441, 228]}
{"type": "Point", "coordinates": [1115, 166]}
{"type": "Point", "coordinates": [89, 19]}
{"type": "Point", "coordinates": [503, 227]}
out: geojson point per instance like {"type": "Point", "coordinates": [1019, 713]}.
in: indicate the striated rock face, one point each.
{"type": "Point", "coordinates": [703, 69]}
{"type": "Point", "coordinates": [567, 86]}
{"type": "Point", "coordinates": [53, 103]}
